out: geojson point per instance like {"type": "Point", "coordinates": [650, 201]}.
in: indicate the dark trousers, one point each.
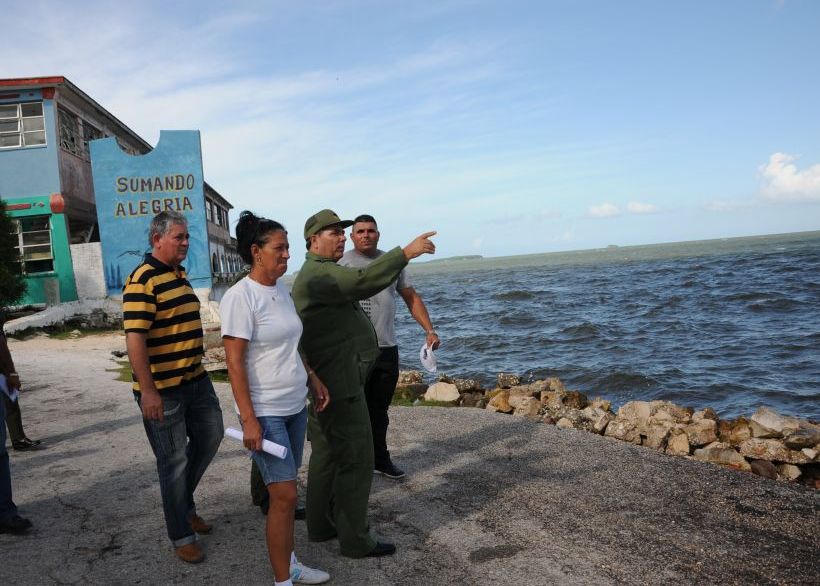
{"type": "Point", "coordinates": [14, 420]}
{"type": "Point", "coordinates": [340, 474]}
{"type": "Point", "coordinates": [7, 508]}
{"type": "Point", "coordinates": [381, 385]}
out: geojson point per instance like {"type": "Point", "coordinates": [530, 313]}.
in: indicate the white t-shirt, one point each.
{"type": "Point", "coordinates": [381, 308]}
{"type": "Point", "coordinates": [266, 317]}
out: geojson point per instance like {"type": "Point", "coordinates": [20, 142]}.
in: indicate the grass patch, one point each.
{"type": "Point", "coordinates": [408, 402]}
{"type": "Point", "coordinates": [123, 371]}
{"type": "Point", "coordinates": [63, 332]}
{"type": "Point", "coordinates": [219, 376]}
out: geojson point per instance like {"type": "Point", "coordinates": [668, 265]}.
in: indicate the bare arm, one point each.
{"type": "Point", "coordinates": [150, 400]}
{"type": "Point", "coordinates": [419, 312]}
{"type": "Point", "coordinates": [235, 350]}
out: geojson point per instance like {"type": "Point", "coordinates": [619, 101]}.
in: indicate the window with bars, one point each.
{"type": "Point", "coordinates": [22, 125]}
{"type": "Point", "coordinates": [34, 252]}
{"type": "Point", "coordinates": [90, 133]}
{"type": "Point", "coordinates": [70, 138]}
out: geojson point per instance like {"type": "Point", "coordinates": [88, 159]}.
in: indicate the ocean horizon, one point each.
{"type": "Point", "coordinates": [729, 323]}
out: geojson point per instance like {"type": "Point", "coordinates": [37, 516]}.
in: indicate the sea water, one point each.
{"type": "Point", "coordinates": [730, 324]}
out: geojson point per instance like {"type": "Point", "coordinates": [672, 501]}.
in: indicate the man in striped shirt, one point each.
{"type": "Point", "coordinates": [180, 410]}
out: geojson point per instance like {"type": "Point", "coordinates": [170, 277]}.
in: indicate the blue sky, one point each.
{"type": "Point", "coordinates": [510, 127]}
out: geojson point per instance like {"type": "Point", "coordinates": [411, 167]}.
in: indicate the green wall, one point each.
{"type": "Point", "coordinates": [63, 267]}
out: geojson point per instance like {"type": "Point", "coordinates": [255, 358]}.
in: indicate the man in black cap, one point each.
{"type": "Point", "coordinates": [340, 344]}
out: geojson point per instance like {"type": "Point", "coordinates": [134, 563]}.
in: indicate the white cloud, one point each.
{"type": "Point", "coordinates": [635, 207]}
{"type": "Point", "coordinates": [784, 182]}
{"type": "Point", "coordinates": [605, 210]}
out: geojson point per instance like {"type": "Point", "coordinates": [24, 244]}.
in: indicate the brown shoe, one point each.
{"type": "Point", "coordinates": [191, 553]}
{"type": "Point", "coordinates": [199, 525]}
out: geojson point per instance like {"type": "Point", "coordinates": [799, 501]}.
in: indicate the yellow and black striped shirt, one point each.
{"type": "Point", "coordinates": [160, 302]}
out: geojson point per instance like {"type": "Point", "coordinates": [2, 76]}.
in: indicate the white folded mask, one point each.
{"type": "Point", "coordinates": [428, 359]}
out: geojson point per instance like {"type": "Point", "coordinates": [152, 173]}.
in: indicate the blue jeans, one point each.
{"type": "Point", "coordinates": [184, 444]}
{"type": "Point", "coordinates": [7, 508]}
{"type": "Point", "coordinates": [288, 431]}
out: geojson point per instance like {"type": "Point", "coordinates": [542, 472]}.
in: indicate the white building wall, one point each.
{"type": "Point", "coordinates": [88, 270]}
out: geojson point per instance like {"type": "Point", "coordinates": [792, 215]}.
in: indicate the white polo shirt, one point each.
{"type": "Point", "coordinates": [266, 317]}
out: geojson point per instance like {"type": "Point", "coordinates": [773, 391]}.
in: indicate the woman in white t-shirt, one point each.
{"type": "Point", "coordinates": [270, 381]}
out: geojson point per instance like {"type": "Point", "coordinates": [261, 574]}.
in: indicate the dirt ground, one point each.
{"type": "Point", "coordinates": [488, 499]}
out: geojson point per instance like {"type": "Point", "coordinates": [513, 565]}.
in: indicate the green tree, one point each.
{"type": "Point", "coordinates": [12, 284]}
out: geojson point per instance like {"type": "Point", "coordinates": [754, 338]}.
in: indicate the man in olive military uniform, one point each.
{"type": "Point", "coordinates": [339, 343]}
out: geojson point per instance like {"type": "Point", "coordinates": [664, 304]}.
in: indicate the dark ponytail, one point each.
{"type": "Point", "coordinates": [250, 230]}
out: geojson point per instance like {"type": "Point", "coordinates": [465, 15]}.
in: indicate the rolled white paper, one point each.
{"type": "Point", "coordinates": [268, 446]}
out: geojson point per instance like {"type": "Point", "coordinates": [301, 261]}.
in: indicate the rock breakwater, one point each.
{"type": "Point", "coordinates": [766, 443]}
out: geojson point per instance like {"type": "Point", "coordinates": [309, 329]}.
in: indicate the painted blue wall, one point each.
{"type": "Point", "coordinates": [131, 190]}
{"type": "Point", "coordinates": [33, 171]}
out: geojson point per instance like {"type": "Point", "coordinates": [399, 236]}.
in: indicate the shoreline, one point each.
{"type": "Point", "coordinates": [765, 443]}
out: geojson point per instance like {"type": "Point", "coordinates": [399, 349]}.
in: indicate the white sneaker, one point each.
{"type": "Point", "coordinates": [301, 574]}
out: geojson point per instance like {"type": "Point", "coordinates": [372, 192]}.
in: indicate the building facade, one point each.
{"type": "Point", "coordinates": [46, 125]}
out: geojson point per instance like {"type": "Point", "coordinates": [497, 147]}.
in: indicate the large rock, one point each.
{"type": "Point", "coordinates": [564, 423]}
{"type": "Point", "coordinates": [539, 387]}
{"type": "Point", "coordinates": [527, 408]}
{"type": "Point", "coordinates": [576, 400]}
{"type": "Point", "coordinates": [810, 453]}
{"type": "Point", "coordinates": [677, 444]}
{"type": "Point", "coordinates": [598, 418]}
{"type": "Point", "coordinates": [472, 400]}
{"type": "Point", "coordinates": [789, 472]}
{"type": "Point", "coordinates": [410, 377]}
{"type": "Point", "coordinates": [701, 432]}
{"type": "Point", "coordinates": [463, 385]}
{"type": "Point", "coordinates": [767, 423]}
{"type": "Point", "coordinates": [500, 403]}
{"type": "Point", "coordinates": [657, 435]}
{"type": "Point", "coordinates": [556, 400]}
{"type": "Point", "coordinates": [734, 432]}
{"type": "Point", "coordinates": [721, 453]}
{"type": "Point", "coordinates": [638, 411]}
{"type": "Point", "coordinates": [806, 437]}
{"type": "Point", "coordinates": [554, 383]}
{"type": "Point", "coordinates": [623, 429]}
{"type": "Point", "coordinates": [668, 411]}
{"type": "Point", "coordinates": [507, 380]}
{"type": "Point", "coordinates": [764, 468]}
{"type": "Point", "coordinates": [520, 394]}
{"type": "Point", "coordinates": [707, 413]}
{"type": "Point", "coordinates": [600, 403]}
{"type": "Point", "coordinates": [442, 392]}
{"type": "Point", "coordinates": [772, 450]}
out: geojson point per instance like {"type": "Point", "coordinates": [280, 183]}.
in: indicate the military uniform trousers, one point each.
{"type": "Point", "coordinates": [340, 474]}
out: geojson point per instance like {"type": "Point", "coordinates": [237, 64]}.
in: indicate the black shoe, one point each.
{"type": "Point", "coordinates": [17, 525]}
{"type": "Point", "coordinates": [26, 444]}
{"type": "Point", "coordinates": [300, 513]}
{"type": "Point", "coordinates": [382, 548]}
{"type": "Point", "coordinates": [389, 470]}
